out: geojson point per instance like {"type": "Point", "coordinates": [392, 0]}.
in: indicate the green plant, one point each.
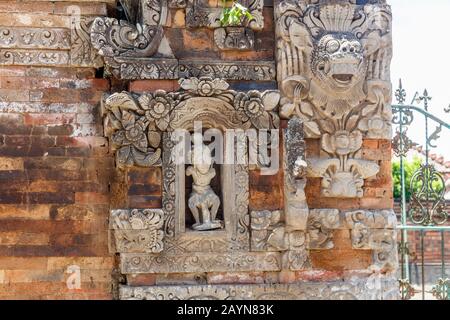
{"type": "Point", "coordinates": [410, 167]}
{"type": "Point", "coordinates": [234, 16]}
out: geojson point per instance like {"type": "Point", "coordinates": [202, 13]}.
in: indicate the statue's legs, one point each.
{"type": "Point", "coordinates": [215, 207]}
{"type": "Point", "coordinates": [193, 206]}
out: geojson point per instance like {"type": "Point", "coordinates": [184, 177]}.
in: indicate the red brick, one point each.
{"type": "Point", "coordinates": [140, 86]}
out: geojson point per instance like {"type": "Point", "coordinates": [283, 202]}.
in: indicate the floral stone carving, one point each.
{"type": "Point", "coordinates": [135, 123]}
{"type": "Point", "coordinates": [200, 14]}
{"type": "Point", "coordinates": [333, 69]}
{"type": "Point", "coordinates": [375, 230]}
{"type": "Point", "coordinates": [138, 231]}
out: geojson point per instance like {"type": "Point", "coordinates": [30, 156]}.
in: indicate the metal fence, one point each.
{"type": "Point", "coordinates": [423, 209]}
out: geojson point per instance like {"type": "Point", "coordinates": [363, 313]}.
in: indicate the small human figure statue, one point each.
{"type": "Point", "coordinates": [203, 201]}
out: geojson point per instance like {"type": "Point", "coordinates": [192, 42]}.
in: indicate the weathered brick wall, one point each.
{"type": "Point", "coordinates": [54, 164]}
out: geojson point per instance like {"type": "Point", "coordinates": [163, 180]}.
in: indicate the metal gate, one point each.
{"type": "Point", "coordinates": [423, 209]}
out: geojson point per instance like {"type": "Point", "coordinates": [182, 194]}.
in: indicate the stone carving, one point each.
{"type": "Point", "coordinates": [82, 52]}
{"type": "Point", "coordinates": [49, 46]}
{"type": "Point", "coordinates": [333, 70]}
{"type": "Point", "coordinates": [236, 70]}
{"type": "Point", "coordinates": [142, 127]}
{"type": "Point", "coordinates": [199, 262]}
{"type": "Point", "coordinates": [263, 229]}
{"type": "Point", "coordinates": [203, 201]}
{"type": "Point", "coordinates": [134, 123]}
{"type": "Point", "coordinates": [34, 38]}
{"type": "Point", "coordinates": [126, 125]}
{"type": "Point", "coordinates": [321, 223]}
{"type": "Point", "coordinates": [375, 230]}
{"type": "Point", "coordinates": [128, 46]}
{"type": "Point", "coordinates": [362, 288]}
{"type": "Point", "coordinates": [296, 208]}
{"type": "Point", "coordinates": [138, 231]}
{"type": "Point", "coordinates": [234, 38]}
{"type": "Point", "coordinates": [34, 57]}
{"type": "Point", "coordinates": [200, 14]}
{"type": "Point", "coordinates": [149, 68]}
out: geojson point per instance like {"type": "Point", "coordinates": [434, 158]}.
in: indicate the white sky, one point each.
{"type": "Point", "coordinates": [421, 35]}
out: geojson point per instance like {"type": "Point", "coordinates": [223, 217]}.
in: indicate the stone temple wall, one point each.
{"type": "Point", "coordinates": [93, 206]}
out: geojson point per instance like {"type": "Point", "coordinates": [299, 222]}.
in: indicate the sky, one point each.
{"type": "Point", "coordinates": [421, 38]}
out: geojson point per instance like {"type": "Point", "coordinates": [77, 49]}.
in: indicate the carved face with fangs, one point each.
{"type": "Point", "coordinates": [338, 61]}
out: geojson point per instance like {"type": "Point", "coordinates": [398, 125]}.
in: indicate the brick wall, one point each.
{"type": "Point", "coordinates": [54, 168]}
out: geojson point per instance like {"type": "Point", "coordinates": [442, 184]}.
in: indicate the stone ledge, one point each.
{"type": "Point", "coordinates": [375, 287]}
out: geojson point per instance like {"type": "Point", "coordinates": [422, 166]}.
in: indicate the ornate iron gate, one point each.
{"type": "Point", "coordinates": [423, 208]}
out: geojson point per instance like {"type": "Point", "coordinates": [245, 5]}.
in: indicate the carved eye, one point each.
{"type": "Point", "coordinates": [333, 46]}
{"type": "Point", "coordinates": [356, 46]}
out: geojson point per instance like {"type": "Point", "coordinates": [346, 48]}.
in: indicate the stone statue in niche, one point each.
{"type": "Point", "coordinates": [203, 202]}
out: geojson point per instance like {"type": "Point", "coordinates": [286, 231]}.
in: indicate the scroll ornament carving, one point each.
{"type": "Point", "coordinates": [49, 46]}
{"type": "Point", "coordinates": [375, 230]}
{"type": "Point", "coordinates": [333, 68]}
{"type": "Point", "coordinates": [138, 230]}
{"type": "Point", "coordinates": [134, 123]}
{"type": "Point", "coordinates": [321, 223]}
{"type": "Point", "coordinates": [122, 42]}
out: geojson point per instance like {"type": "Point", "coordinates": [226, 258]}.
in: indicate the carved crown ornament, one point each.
{"type": "Point", "coordinates": [333, 71]}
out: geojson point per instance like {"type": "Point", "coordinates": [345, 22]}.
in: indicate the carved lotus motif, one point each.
{"type": "Point", "coordinates": [157, 107]}
{"type": "Point", "coordinates": [132, 135]}
{"type": "Point", "coordinates": [205, 86]}
{"type": "Point", "coordinates": [342, 142]}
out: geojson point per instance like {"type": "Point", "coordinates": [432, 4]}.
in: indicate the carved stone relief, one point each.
{"type": "Point", "coordinates": [137, 230]}
{"type": "Point", "coordinates": [333, 70]}
{"type": "Point", "coordinates": [234, 38]}
{"type": "Point", "coordinates": [200, 14]}
{"type": "Point", "coordinates": [134, 123]}
{"type": "Point", "coordinates": [141, 127]}
{"type": "Point", "coordinates": [375, 230]}
{"type": "Point", "coordinates": [321, 223]}
{"type": "Point", "coordinates": [374, 287]}
{"type": "Point", "coordinates": [82, 52]}
{"type": "Point", "coordinates": [128, 46]}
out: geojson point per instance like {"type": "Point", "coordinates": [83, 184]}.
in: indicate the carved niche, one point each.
{"type": "Point", "coordinates": [142, 128]}
{"type": "Point", "coordinates": [333, 70]}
